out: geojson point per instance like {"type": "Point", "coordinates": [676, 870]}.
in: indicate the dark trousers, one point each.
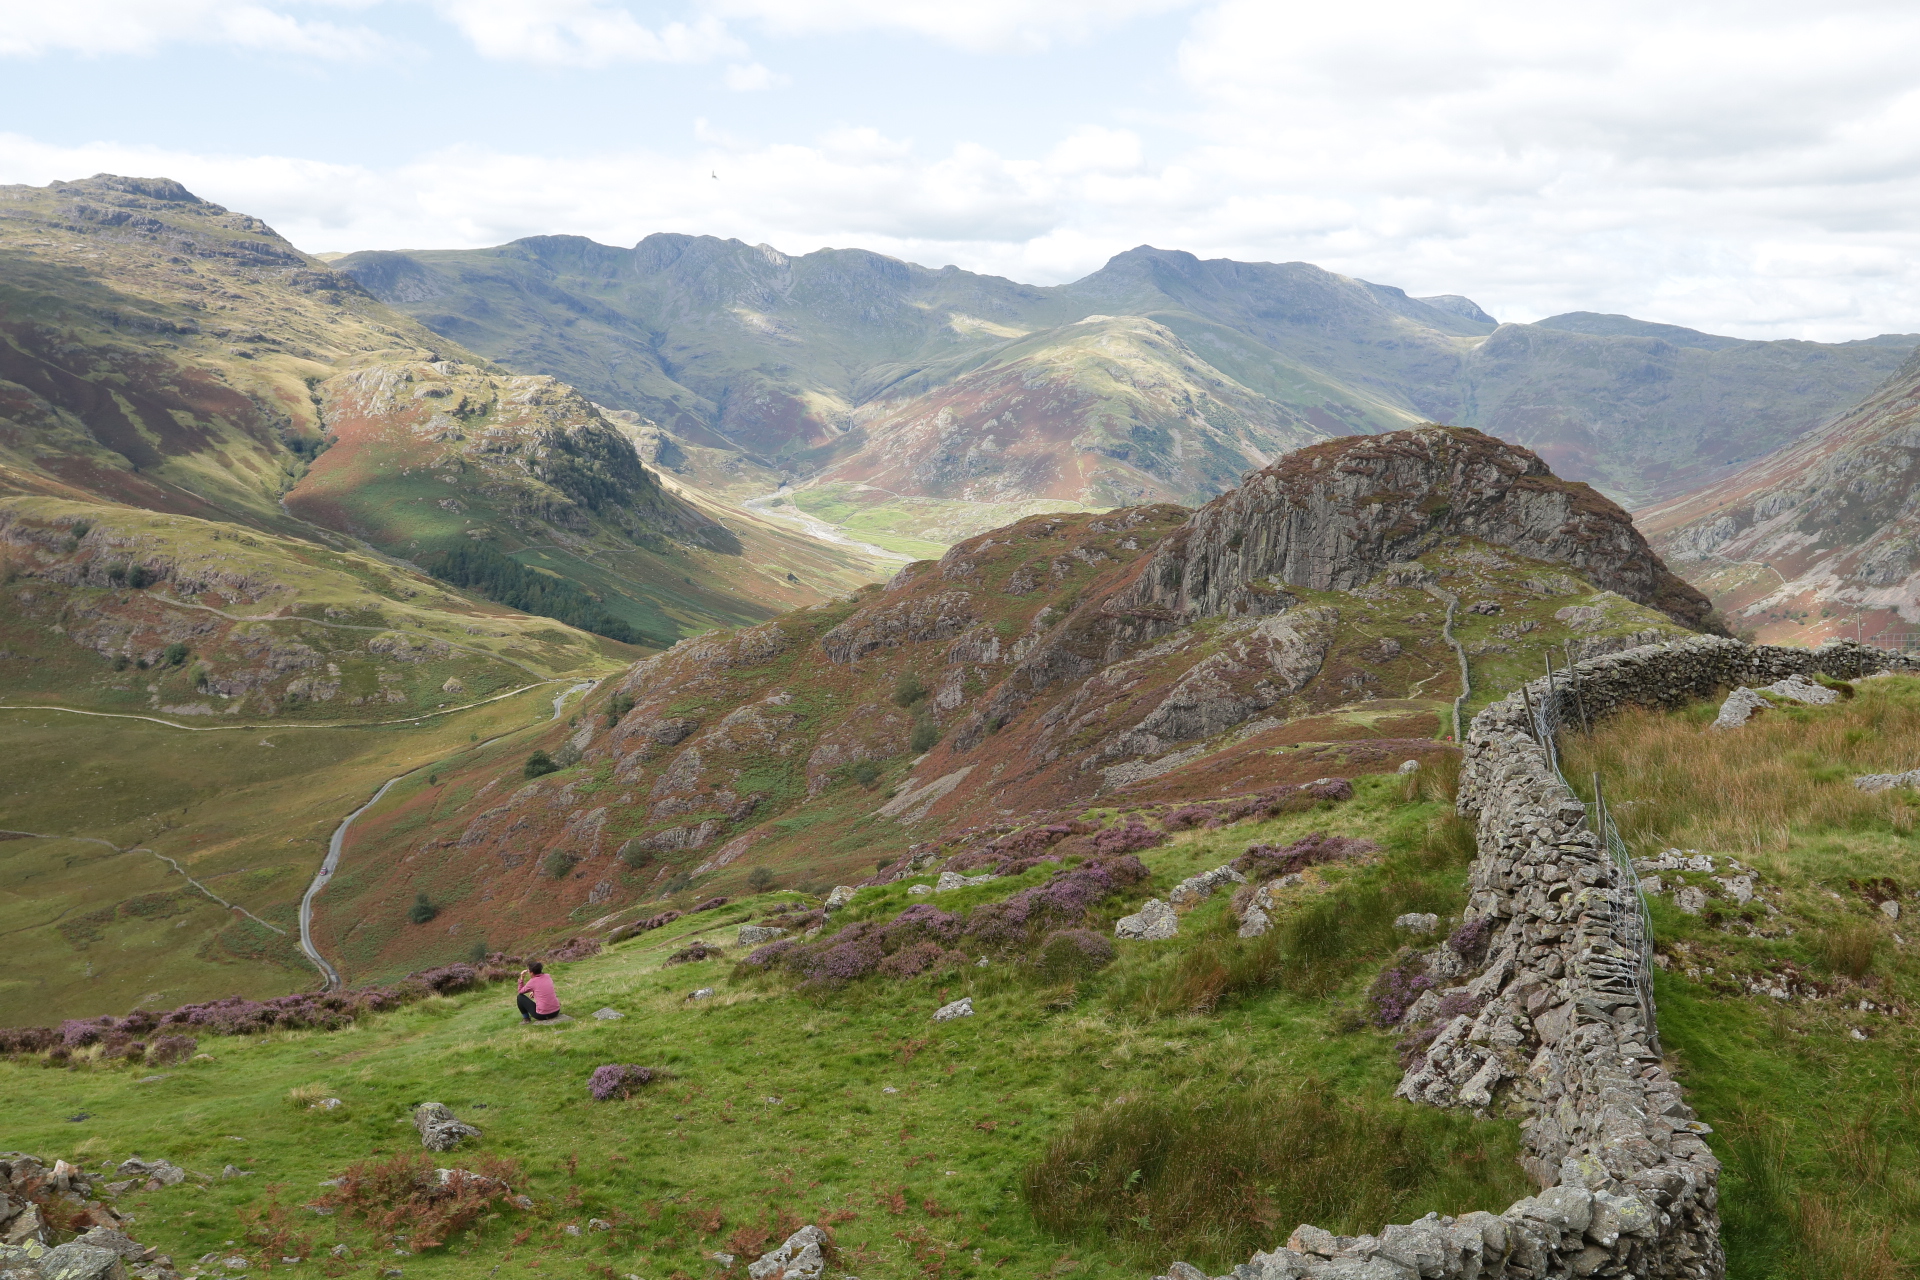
{"type": "Point", "coordinates": [525, 1002]}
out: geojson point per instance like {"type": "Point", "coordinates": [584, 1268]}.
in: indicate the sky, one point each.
{"type": "Point", "coordinates": [1747, 168]}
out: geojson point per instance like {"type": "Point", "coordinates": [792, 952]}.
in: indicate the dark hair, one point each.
{"type": "Point", "coordinates": [533, 966]}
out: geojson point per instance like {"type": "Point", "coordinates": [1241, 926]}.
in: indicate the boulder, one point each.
{"type": "Point", "coordinates": [439, 1129]}
{"type": "Point", "coordinates": [1690, 899]}
{"type": "Point", "coordinates": [753, 935]}
{"type": "Point", "coordinates": [1887, 781]}
{"type": "Point", "coordinates": [1199, 888]}
{"type": "Point", "coordinates": [840, 897]}
{"type": "Point", "coordinates": [1154, 922]}
{"type": "Point", "coordinates": [76, 1261]}
{"type": "Point", "coordinates": [954, 880]}
{"type": "Point", "coordinates": [1409, 766]}
{"type": "Point", "coordinates": [1417, 922]}
{"type": "Point", "coordinates": [961, 1008]}
{"type": "Point", "coordinates": [1797, 688]}
{"type": "Point", "coordinates": [608, 1015]}
{"type": "Point", "coordinates": [799, 1257]}
{"type": "Point", "coordinates": [1738, 708]}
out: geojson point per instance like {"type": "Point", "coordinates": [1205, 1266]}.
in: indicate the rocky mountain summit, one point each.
{"type": "Point", "coordinates": [1818, 539]}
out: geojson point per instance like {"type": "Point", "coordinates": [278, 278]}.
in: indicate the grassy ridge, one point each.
{"type": "Point", "coordinates": [778, 1107]}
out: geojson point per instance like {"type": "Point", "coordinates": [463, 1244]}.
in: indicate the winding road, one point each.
{"type": "Point", "coordinates": [339, 841]}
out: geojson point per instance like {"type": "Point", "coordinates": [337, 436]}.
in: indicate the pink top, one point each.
{"type": "Point", "coordinates": [540, 987]}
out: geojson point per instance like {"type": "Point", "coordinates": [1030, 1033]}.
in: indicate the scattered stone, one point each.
{"type": "Point", "coordinates": [918, 889]}
{"type": "Point", "coordinates": [1739, 888]}
{"type": "Point", "coordinates": [981, 963]}
{"type": "Point", "coordinates": [954, 880]}
{"type": "Point", "coordinates": [1890, 909]}
{"type": "Point", "coordinates": [1258, 917]}
{"type": "Point", "coordinates": [151, 1079]}
{"type": "Point", "coordinates": [1738, 708]}
{"type": "Point", "coordinates": [1199, 888]}
{"type": "Point", "coordinates": [753, 935]}
{"type": "Point", "coordinates": [799, 1257]}
{"type": "Point", "coordinates": [1690, 899]}
{"type": "Point", "coordinates": [341, 1251]}
{"type": "Point", "coordinates": [440, 1129]}
{"type": "Point", "coordinates": [1154, 922]}
{"type": "Point", "coordinates": [1888, 781]}
{"type": "Point", "coordinates": [158, 1173]}
{"type": "Point", "coordinates": [842, 895]}
{"type": "Point", "coordinates": [723, 1260]}
{"type": "Point", "coordinates": [961, 1008]}
{"type": "Point", "coordinates": [233, 1171]}
{"type": "Point", "coordinates": [1797, 688]}
{"type": "Point", "coordinates": [77, 1261]}
{"type": "Point", "coordinates": [702, 994]}
{"type": "Point", "coordinates": [1409, 766]}
{"type": "Point", "coordinates": [599, 1224]}
{"type": "Point", "coordinates": [572, 1228]}
{"type": "Point", "coordinates": [325, 1104]}
{"type": "Point", "coordinates": [1417, 922]}
{"type": "Point", "coordinates": [608, 1015]}
{"type": "Point", "coordinates": [889, 1089]}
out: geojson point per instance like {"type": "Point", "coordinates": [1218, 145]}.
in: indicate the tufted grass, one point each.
{"type": "Point", "coordinates": [1818, 1130]}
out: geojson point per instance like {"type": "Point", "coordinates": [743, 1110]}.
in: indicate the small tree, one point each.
{"type": "Point", "coordinates": [477, 953]}
{"type": "Point", "coordinates": [925, 734]}
{"type": "Point", "coordinates": [539, 763]}
{"type": "Point", "coordinates": [635, 854]}
{"type": "Point", "coordinates": [174, 654]}
{"type": "Point", "coordinates": [909, 691]}
{"type": "Point", "coordinates": [760, 879]}
{"type": "Point", "coordinates": [422, 910]}
{"type": "Point", "coordinates": [621, 704]}
{"type": "Point", "coordinates": [559, 864]}
{"type": "Point", "coordinates": [138, 575]}
{"type": "Point", "coordinates": [865, 772]}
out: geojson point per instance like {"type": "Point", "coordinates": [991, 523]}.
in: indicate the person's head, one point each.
{"type": "Point", "coordinates": [534, 966]}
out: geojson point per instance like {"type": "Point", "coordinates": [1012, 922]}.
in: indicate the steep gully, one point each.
{"type": "Point", "coordinates": [334, 846]}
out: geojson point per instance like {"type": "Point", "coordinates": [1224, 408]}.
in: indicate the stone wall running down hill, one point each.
{"type": "Point", "coordinates": [1332, 516]}
{"type": "Point", "coordinates": [1556, 1023]}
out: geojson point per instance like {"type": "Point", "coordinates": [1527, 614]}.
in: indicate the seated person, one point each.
{"type": "Point", "coordinates": [536, 999]}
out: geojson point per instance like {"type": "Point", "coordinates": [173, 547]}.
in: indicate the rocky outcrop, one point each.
{"type": "Point", "coordinates": [1334, 516]}
{"type": "Point", "coordinates": [90, 1242]}
{"type": "Point", "coordinates": [440, 1129]}
{"type": "Point", "coordinates": [1557, 1021]}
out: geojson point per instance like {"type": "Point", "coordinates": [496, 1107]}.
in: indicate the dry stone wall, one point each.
{"type": "Point", "coordinates": [1556, 1023]}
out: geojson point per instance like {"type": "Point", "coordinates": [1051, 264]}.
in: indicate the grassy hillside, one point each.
{"type": "Point", "coordinates": [929, 1149]}
{"type": "Point", "coordinates": [1790, 1013]}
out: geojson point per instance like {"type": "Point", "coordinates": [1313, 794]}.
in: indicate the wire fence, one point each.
{"type": "Point", "coordinates": [1631, 923]}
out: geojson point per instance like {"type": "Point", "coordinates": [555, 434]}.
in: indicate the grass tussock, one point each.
{"type": "Point", "coordinates": [1676, 781]}
{"type": "Point", "coordinates": [1848, 948]}
{"type": "Point", "coordinates": [303, 1096]}
{"type": "Point", "coordinates": [1212, 1179]}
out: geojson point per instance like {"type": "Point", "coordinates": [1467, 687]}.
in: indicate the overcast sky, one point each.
{"type": "Point", "coordinates": [1748, 168]}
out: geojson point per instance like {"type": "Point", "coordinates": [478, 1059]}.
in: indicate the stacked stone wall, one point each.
{"type": "Point", "coordinates": [1561, 1028]}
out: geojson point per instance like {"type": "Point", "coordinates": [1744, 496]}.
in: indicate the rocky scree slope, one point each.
{"type": "Point", "coordinates": [1817, 540]}
{"type": "Point", "coordinates": [1035, 667]}
{"type": "Point", "coordinates": [825, 358]}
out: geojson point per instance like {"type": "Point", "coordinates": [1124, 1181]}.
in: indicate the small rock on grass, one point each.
{"type": "Point", "coordinates": [608, 1015]}
{"type": "Point", "coordinates": [702, 994]}
{"type": "Point", "coordinates": [961, 1008]}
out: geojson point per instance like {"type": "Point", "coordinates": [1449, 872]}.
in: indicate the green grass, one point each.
{"type": "Point", "coordinates": [776, 1110]}
{"type": "Point", "coordinates": [1818, 1129]}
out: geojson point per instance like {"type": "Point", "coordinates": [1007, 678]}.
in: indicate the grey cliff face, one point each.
{"type": "Point", "coordinates": [1335, 515]}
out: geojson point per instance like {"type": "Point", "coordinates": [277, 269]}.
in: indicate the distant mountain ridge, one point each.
{"type": "Point", "coordinates": [814, 363]}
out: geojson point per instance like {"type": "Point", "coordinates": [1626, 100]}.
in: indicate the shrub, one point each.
{"type": "Point", "coordinates": [1178, 1176]}
{"type": "Point", "coordinates": [760, 879]}
{"type": "Point", "coordinates": [864, 772]}
{"type": "Point", "coordinates": [537, 764]}
{"type": "Point", "coordinates": [908, 691]}
{"type": "Point", "coordinates": [1261, 861]}
{"type": "Point", "coordinates": [617, 708]}
{"type": "Point", "coordinates": [406, 1193]}
{"type": "Point", "coordinates": [692, 954]}
{"type": "Point", "coordinates": [174, 654]}
{"type": "Point", "coordinates": [1129, 837]}
{"type": "Point", "coordinates": [1067, 955]}
{"type": "Point", "coordinates": [558, 865]}
{"type": "Point", "coordinates": [1192, 815]}
{"type": "Point", "coordinates": [422, 910]}
{"type": "Point", "coordinates": [635, 855]}
{"type": "Point", "coordinates": [139, 576]}
{"type": "Point", "coordinates": [925, 734]}
{"type": "Point", "coordinates": [575, 949]}
{"type": "Point", "coordinates": [619, 1080]}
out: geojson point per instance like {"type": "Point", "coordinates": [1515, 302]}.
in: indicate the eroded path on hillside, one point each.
{"type": "Point", "coordinates": [337, 844]}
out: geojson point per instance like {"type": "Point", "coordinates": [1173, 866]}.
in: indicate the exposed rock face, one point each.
{"type": "Point", "coordinates": [1333, 516]}
{"type": "Point", "coordinates": [1817, 539]}
{"type": "Point", "coordinates": [439, 1129]}
{"type": "Point", "coordinates": [33, 1197]}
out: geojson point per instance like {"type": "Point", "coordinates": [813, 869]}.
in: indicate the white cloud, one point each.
{"type": "Point", "coordinates": [582, 33]}
{"type": "Point", "coordinates": [981, 26]}
{"type": "Point", "coordinates": [751, 76]}
{"type": "Point", "coordinates": [29, 28]}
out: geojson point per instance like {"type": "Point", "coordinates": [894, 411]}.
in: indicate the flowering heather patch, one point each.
{"type": "Point", "coordinates": [170, 1049]}
{"type": "Point", "coordinates": [1469, 941]}
{"type": "Point", "coordinates": [1394, 992]}
{"type": "Point", "coordinates": [708, 905]}
{"type": "Point", "coordinates": [634, 927]}
{"type": "Point", "coordinates": [927, 932]}
{"type": "Point", "coordinates": [1129, 837]}
{"type": "Point", "coordinates": [619, 1080]}
{"type": "Point", "coordinates": [237, 1015]}
{"type": "Point", "coordinates": [1263, 860]}
{"type": "Point", "coordinates": [1189, 816]}
{"type": "Point", "coordinates": [1026, 847]}
{"type": "Point", "coordinates": [1413, 1046]}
